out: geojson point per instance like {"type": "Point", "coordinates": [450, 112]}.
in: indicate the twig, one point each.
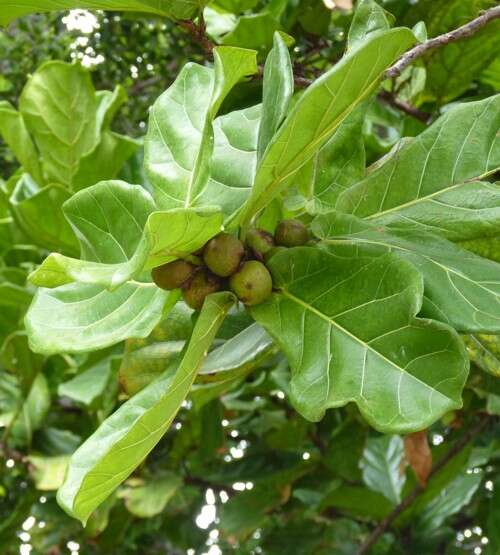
{"type": "Point", "coordinates": [198, 33]}
{"type": "Point", "coordinates": [462, 32]}
{"type": "Point", "coordinates": [412, 111]}
{"type": "Point", "coordinates": [410, 498]}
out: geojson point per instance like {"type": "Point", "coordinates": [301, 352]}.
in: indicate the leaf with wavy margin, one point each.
{"type": "Point", "coordinates": [347, 325]}
{"type": "Point", "coordinates": [180, 140]}
{"type": "Point", "coordinates": [121, 235]}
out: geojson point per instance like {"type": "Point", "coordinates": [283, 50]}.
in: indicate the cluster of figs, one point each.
{"type": "Point", "coordinates": [225, 262]}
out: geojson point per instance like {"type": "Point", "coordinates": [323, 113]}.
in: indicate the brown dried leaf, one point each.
{"type": "Point", "coordinates": [419, 456]}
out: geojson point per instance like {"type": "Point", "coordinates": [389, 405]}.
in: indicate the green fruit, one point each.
{"type": "Point", "coordinates": [291, 233]}
{"type": "Point", "coordinates": [202, 284]}
{"type": "Point", "coordinates": [172, 275]}
{"type": "Point", "coordinates": [223, 254]}
{"type": "Point", "coordinates": [252, 284]}
{"type": "Point", "coordinates": [259, 241]}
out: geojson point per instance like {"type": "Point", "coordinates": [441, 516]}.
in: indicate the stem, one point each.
{"type": "Point", "coordinates": [469, 435]}
{"type": "Point", "coordinates": [412, 111]}
{"type": "Point", "coordinates": [462, 32]}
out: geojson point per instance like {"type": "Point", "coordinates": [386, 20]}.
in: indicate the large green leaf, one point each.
{"type": "Point", "coordinates": [180, 137]}
{"type": "Point", "coordinates": [277, 92]}
{"type": "Point", "coordinates": [461, 288]}
{"type": "Point", "coordinates": [121, 235]}
{"type": "Point", "coordinates": [339, 164]}
{"type": "Point", "coordinates": [59, 107]}
{"type": "Point", "coordinates": [126, 437]}
{"type": "Point", "coordinates": [14, 132]}
{"type": "Point", "coordinates": [38, 212]}
{"type": "Point", "coordinates": [426, 182]}
{"type": "Point", "coordinates": [176, 9]}
{"type": "Point", "coordinates": [82, 317]}
{"type": "Point", "coordinates": [232, 168]}
{"type": "Point", "coordinates": [112, 150]}
{"type": "Point", "coordinates": [347, 325]}
{"type": "Point", "coordinates": [320, 110]}
{"type": "Point", "coordinates": [381, 465]}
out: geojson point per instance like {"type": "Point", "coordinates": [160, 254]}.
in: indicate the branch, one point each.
{"type": "Point", "coordinates": [410, 498]}
{"type": "Point", "coordinates": [388, 98]}
{"type": "Point", "coordinates": [462, 32]}
{"type": "Point", "coordinates": [198, 33]}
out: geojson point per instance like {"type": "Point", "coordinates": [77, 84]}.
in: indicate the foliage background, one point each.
{"type": "Point", "coordinates": [293, 487]}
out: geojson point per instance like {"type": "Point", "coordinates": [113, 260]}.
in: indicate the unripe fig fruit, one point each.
{"type": "Point", "coordinates": [259, 241]}
{"type": "Point", "coordinates": [202, 284]}
{"type": "Point", "coordinates": [223, 254]}
{"type": "Point", "coordinates": [291, 233]}
{"type": "Point", "coordinates": [252, 284]}
{"type": "Point", "coordinates": [173, 274]}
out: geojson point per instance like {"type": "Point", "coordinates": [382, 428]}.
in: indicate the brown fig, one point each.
{"type": "Point", "coordinates": [202, 284]}
{"type": "Point", "coordinates": [173, 274]}
{"type": "Point", "coordinates": [223, 254]}
{"type": "Point", "coordinates": [291, 233]}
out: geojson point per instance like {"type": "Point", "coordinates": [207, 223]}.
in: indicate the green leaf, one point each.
{"type": "Point", "coordinates": [145, 359]}
{"type": "Point", "coordinates": [484, 350]}
{"type": "Point", "coordinates": [277, 92]}
{"type": "Point", "coordinates": [59, 107]}
{"type": "Point", "coordinates": [437, 168]}
{"type": "Point", "coordinates": [150, 499]}
{"type": "Point", "coordinates": [16, 357]}
{"type": "Point", "coordinates": [245, 512]}
{"type": "Point", "coordinates": [452, 69]}
{"type": "Point", "coordinates": [358, 501]}
{"type": "Point", "coordinates": [232, 168]}
{"type": "Point", "coordinates": [24, 414]}
{"type": "Point", "coordinates": [238, 355]}
{"type": "Point", "coordinates": [175, 9]}
{"type": "Point", "coordinates": [339, 164]}
{"type": "Point", "coordinates": [368, 18]}
{"type": "Point", "coordinates": [449, 502]}
{"type": "Point", "coordinates": [319, 112]}
{"type": "Point", "coordinates": [123, 440]}
{"type": "Point", "coordinates": [461, 288]}
{"type": "Point", "coordinates": [38, 212]}
{"type": "Point", "coordinates": [48, 472]}
{"type": "Point", "coordinates": [14, 133]}
{"type": "Point", "coordinates": [179, 144]}
{"type": "Point", "coordinates": [121, 235]}
{"type": "Point", "coordinates": [254, 31]}
{"type": "Point", "coordinates": [89, 385]}
{"type": "Point", "coordinates": [381, 466]}
{"type": "Point", "coordinates": [80, 317]}
{"type": "Point", "coordinates": [402, 372]}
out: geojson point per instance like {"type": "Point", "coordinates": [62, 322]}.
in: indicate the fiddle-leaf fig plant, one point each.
{"type": "Point", "coordinates": [360, 285]}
